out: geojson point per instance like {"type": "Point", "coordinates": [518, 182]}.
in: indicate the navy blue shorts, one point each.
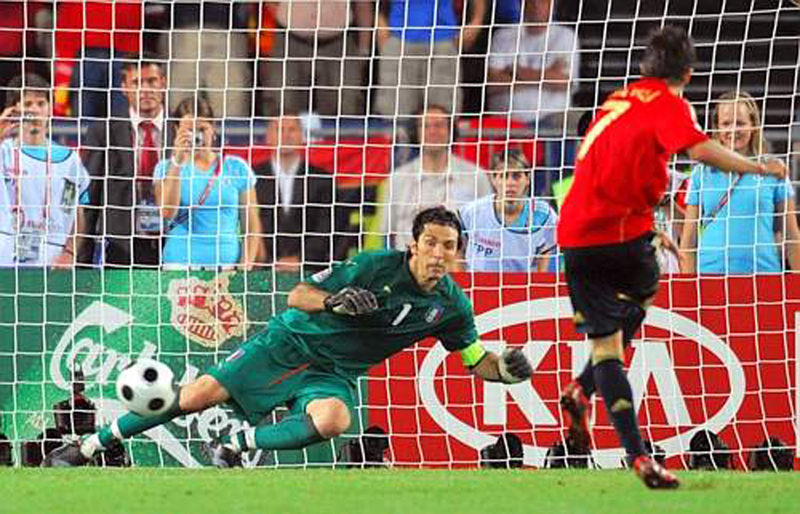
{"type": "Point", "coordinates": [609, 285]}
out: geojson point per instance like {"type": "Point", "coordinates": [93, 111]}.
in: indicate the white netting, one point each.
{"type": "Point", "coordinates": [299, 191]}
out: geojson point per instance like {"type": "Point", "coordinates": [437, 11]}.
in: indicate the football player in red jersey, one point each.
{"type": "Point", "coordinates": [606, 227]}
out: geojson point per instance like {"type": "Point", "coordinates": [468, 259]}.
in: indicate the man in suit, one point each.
{"type": "Point", "coordinates": [120, 155]}
{"type": "Point", "coordinates": [296, 201]}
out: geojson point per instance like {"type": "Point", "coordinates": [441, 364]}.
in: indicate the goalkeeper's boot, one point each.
{"type": "Point", "coordinates": [222, 456]}
{"type": "Point", "coordinates": [653, 474]}
{"type": "Point", "coordinates": [576, 405]}
{"type": "Point", "coordinates": [68, 455]}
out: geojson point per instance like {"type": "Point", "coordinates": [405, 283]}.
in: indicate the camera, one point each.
{"type": "Point", "coordinates": [198, 139]}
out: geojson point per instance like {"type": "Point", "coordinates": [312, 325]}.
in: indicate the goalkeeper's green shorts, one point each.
{"type": "Point", "coordinates": [270, 370]}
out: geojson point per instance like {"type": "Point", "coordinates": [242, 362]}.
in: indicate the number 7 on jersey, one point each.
{"type": "Point", "coordinates": [615, 109]}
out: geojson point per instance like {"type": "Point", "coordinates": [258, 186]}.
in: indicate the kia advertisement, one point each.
{"type": "Point", "coordinates": [714, 354]}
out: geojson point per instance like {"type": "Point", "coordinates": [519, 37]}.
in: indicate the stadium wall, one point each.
{"type": "Point", "coordinates": [717, 353]}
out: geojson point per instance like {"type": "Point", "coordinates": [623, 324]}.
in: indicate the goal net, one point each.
{"type": "Point", "coordinates": [334, 123]}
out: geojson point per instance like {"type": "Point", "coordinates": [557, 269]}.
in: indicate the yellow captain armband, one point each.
{"type": "Point", "coordinates": [473, 354]}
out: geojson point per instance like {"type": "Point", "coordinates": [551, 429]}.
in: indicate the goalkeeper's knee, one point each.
{"type": "Point", "coordinates": [330, 416]}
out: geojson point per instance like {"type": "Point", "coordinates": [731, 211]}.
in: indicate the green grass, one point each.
{"type": "Point", "coordinates": [265, 491]}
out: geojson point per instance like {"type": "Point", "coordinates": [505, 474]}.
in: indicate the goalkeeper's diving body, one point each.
{"type": "Point", "coordinates": [340, 322]}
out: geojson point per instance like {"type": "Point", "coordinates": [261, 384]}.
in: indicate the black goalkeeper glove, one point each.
{"type": "Point", "coordinates": [514, 367]}
{"type": "Point", "coordinates": [353, 301]}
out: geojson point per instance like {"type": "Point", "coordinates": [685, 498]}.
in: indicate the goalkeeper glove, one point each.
{"type": "Point", "coordinates": [514, 367]}
{"type": "Point", "coordinates": [353, 301]}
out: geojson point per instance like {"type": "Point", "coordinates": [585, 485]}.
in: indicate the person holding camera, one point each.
{"type": "Point", "coordinates": [207, 201]}
{"type": "Point", "coordinates": [45, 183]}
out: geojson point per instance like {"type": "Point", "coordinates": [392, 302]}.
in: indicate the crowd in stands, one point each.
{"type": "Point", "coordinates": [150, 182]}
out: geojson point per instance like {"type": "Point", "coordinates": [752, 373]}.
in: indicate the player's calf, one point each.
{"type": "Point", "coordinates": [324, 419]}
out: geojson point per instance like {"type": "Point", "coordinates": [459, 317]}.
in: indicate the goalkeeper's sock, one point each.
{"type": "Point", "coordinates": [291, 433]}
{"type": "Point", "coordinates": [128, 425]}
{"type": "Point", "coordinates": [618, 396]}
{"type": "Point", "coordinates": [586, 379]}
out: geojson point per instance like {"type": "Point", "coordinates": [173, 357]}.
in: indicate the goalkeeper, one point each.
{"type": "Point", "coordinates": [340, 323]}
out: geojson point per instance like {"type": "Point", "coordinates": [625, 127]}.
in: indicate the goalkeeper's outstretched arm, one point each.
{"type": "Point", "coordinates": [350, 301]}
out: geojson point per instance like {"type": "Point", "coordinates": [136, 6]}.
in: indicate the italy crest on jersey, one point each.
{"type": "Point", "coordinates": [434, 313]}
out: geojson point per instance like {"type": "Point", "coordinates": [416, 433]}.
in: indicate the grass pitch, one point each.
{"type": "Point", "coordinates": [200, 491]}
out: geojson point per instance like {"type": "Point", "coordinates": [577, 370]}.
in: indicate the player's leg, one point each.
{"type": "Point", "coordinates": [635, 296]}
{"type": "Point", "coordinates": [576, 397]}
{"type": "Point", "coordinates": [320, 403]}
{"type": "Point", "coordinates": [633, 292]}
{"type": "Point", "coordinates": [610, 288]}
{"type": "Point", "coordinates": [613, 384]}
{"type": "Point", "coordinates": [323, 419]}
{"type": "Point", "coordinates": [201, 394]}
{"type": "Point", "coordinates": [228, 381]}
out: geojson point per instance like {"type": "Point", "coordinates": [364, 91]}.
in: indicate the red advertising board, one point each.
{"type": "Point", "coordinates": [716, 353]}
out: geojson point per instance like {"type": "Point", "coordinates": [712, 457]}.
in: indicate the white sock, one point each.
{"type": "Point", "coordinates": [90, 445]}
{"type": "Point", "coordinates": [233, 445]}
{"type": "Point", "coordinates": [249, 438]}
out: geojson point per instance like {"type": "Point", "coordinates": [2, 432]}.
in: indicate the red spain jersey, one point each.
{"type": "Point", "coordinates": [621, 168]}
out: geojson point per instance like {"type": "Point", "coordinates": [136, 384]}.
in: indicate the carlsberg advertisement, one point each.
{"type": "Point", "coordinates": [54, 322]}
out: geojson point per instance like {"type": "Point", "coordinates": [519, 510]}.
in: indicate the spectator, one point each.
{"type": "Point", "coordinates": [207, 200]}
{"type": "Point", "coordinates": [97, 34]}
{"type": "Point", "coordinates": [296, 201]}
{"type": "Point", "coordinates": [121, 155]}
{"type": "Point", "coordinates": [532, 68]}
{"type": "Point", "coordinates": [668, 218]}
{"type": "Point", "coordinates": [508, 230]}
{"type": "Point", "coordinates": [316, 63]}
{"type": "Point", "coordinates": [420, 42]}
{"type": "Point", "coordinates": [18, 39]}
{"type": "Point", "coordinates": [507, 11]}
{"type": "Point", "coordinates": [9, 124]}
{"type": "Point", "coordinates": [436, 177]}
{"type": "Point", "coordinates": [208, 51]}
{"type": "Point", "coordinates": [46, 182]}
{"type": "Point", "coordinates": [733, 221]}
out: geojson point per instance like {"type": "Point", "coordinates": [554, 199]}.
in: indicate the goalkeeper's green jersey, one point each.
{"type": "Point", "coordinates": [350, 345]}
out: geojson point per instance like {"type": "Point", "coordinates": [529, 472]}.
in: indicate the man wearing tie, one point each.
{"type": "Point", "coordinates": [120, 155]}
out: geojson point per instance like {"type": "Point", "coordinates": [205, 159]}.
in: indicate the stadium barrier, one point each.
{"type": "Point", "coordinates": [716, 353]}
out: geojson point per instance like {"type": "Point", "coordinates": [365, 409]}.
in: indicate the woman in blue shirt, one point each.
{"type": "Point", "coordinates": [208, 201]}
{"type": "Point", "coordinates": [739, 224]}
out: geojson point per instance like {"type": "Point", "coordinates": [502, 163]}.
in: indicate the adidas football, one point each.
{"type": "Point", "coordinates": [147, 387]}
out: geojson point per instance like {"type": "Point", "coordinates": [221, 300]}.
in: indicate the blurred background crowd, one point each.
{"type": "Point", "coordinates": [155, 133]}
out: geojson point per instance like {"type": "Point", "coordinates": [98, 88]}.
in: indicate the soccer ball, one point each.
{"type": "Point", "coordinates": [147, 387]}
